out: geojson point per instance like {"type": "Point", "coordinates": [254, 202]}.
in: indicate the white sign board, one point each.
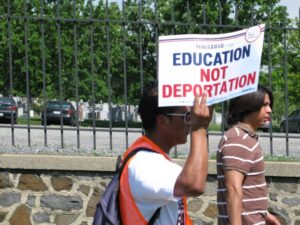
{"type": "Point", "coordinates": [223, 65]}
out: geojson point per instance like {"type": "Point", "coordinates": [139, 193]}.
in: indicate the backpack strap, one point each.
{"type": "Point", "coordinates": [155, 216]}
{"type": "Point", "coordinates": [120, 168]}
{"type": "Point", "coordinates": [122, 164]}
{"type": "Point", "coordinates": [118, 163]}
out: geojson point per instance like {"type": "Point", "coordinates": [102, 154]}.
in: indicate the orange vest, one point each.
{"type": "Point", "coordinates": [130, 213]}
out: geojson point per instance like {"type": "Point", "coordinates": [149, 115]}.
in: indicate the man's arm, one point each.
{"type": "Point", "coordinates": [233, 184]}
{"type": "Point", "coordinates": [191, 181]}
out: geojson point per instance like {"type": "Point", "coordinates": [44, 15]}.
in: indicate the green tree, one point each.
{"type": "Point", "coordinates": [78, 49]}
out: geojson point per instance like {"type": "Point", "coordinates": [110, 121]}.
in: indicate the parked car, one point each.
{"type": "Point", "coordinates": [293, 122]}
{"type": "Point", "coordinates": [55, 110]}
{"type": "Point", "coordinates": [8, 109]}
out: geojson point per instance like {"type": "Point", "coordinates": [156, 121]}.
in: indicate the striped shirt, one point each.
{"type": "Point", "coordinates": [239, 150]}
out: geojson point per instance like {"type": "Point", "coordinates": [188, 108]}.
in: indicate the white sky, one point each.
{"type": "Point", "coordinates": [292, 7]}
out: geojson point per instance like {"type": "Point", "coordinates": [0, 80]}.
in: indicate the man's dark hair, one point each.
{"type": "Point", "coordinates": [244, 105]}
{"type": "Point", "coordinates": [148, 107]}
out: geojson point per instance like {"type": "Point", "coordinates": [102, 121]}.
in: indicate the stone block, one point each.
{"type": "Point", "coordinates": [211, 211]}
{"type": "Point", "coordinates": [273, 197]}
{"type": "Point", "coordinates": [85, 189]}
{"type": "Point", "coordinates": [2, 216]}
{"type": "Point", "coordinates": [41, 217]}
{"type": "Point", "coordinates": [91, 206]}
{"type": "Point", "coordinates": [31, 201]}
{"type": "Point", "coordinates": [61, 183]}
{"type": "Point", "coordinates": [58, 202]}
{"type": "Point", "coordinates": [197, 221]}
{"type": "Point", "coordinates": [195, 205]}
{"type": "Point", "coordinates": [9, 198]}
{"type": "Point", "coordinates": [211, 187]}
{"type": "Point", "coordinates": [65, 219]}
{"type": "Point", "coordinates": [297, 212]}
{"type": "Point", "coordinates": [280, 184]}
{"type": "Point", "coordinates": [32, 183]}
{"type": "Point", "coordinates": [5, 181]}
{"type": "Point", "coordinates": [21, 216]}
{"type": "Point", "coordinates": [292, 201]}
{"type": "Point", "coordinates": [84, 223]}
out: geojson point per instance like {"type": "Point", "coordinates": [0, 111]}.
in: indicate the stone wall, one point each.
{"type": "Point", "coordinates": [31, 195]}
{"type": "Point", "coordinates": [43, 197]}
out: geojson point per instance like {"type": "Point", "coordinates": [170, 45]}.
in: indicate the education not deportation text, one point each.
{"type": "Point", "coordinates": [223, 65]}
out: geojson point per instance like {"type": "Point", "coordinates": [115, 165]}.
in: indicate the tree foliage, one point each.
{"type": "Point", "coordinates": [103, 51]}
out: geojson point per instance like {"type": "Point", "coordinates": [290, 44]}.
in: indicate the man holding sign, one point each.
{"type": "Point", "coordinates": [151, 180]}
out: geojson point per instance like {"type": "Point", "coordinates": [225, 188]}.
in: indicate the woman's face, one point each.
{"type": "Point", "coordinates": [260, 117]}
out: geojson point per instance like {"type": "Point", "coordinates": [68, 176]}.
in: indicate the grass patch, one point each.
{"type": "Point", "coordinates": [106, 123]}
{"type": "Point", "coordinates": [214, 127]}
{"type": "Point", "coordinates": [281, 158]}
{"type": "Point", "coordinates": [32, 121]}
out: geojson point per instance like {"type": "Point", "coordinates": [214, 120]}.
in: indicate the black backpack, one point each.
{"type": "Point", "coordinates": [108, 211]}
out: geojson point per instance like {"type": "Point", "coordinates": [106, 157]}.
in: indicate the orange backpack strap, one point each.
{"type": "Point", "coordinates": [146, 143]}
{"type": "Point", "coordinates": [126, 201]}
{"type": "Point", "coordinates": [188, 220]}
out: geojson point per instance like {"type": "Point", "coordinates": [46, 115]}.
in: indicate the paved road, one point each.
{"type": "Point", "coordinates": [106, 142]}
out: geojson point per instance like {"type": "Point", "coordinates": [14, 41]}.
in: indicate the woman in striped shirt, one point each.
{"type": "Point", "coordinates": [242, 190]}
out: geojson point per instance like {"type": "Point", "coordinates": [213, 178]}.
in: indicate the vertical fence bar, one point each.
{"type": "Point", "coordinates": [220, 13]}
{"type": "Point", "coordinates": [173, 21]}
{"type": "Point", "coordinates": [27, 73]}
{"type": "Point", "coordinates": [10, 63]}
{"type": "Point", "coordinates": [43, 47]}
{"type": "Point", "coordinates": [270, 76]}
{"type": "Point", "coordinates": [13, 119]}
{"type": "Point", "coordinates": [60, 71]}
{"type": "Point", "coordinates": [92, 72]}
{"type": "Point", "coordinates": [76, 74]}
{"type": "Point", "coordinates": [172, 18]}
{"type": "Point", "coordinates": [140, 42]}
{"type": "Point", "coordinates": [223, 104]}
{"type": "Point", "coordinates": [188, 16]}
{"type": "Point", "coordinates": [236, 13]}
{"type": "Point", "coordinates": [286, 91]}
{"type": "Point", "coordinates": [204, 16]}
{"type": "Point", "coordinates": [108, 73]}
{"type": "Point", "coordinates": [252, 14]}
{"type": "Point", "coordinates": [124, 40]}
{"type": "Point", "coordinates": [156, 30]}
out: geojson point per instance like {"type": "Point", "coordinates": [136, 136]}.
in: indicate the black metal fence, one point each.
{"type": "Point", "coordinates": [103, 51]}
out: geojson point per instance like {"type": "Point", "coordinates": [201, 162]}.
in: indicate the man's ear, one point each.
{"type": "Point", "coordinates": [162, 121]}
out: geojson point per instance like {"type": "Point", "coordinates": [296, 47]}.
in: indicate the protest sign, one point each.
{"type": "Point", "coordinates": [223, 65]}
